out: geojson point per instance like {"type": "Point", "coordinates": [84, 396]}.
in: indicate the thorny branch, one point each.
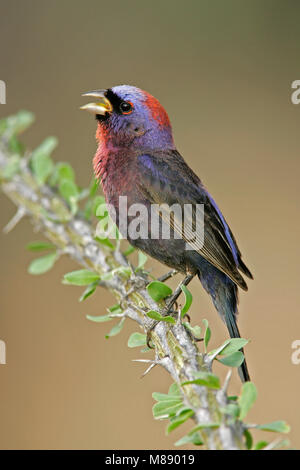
{"type": "Point", "coordinates": [174, 347]}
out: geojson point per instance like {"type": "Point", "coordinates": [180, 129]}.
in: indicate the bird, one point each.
{"type": "Point", "coordinates": [137, 158]}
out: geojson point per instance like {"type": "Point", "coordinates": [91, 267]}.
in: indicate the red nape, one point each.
{"type": "Point", "coordinates": [157, 110]}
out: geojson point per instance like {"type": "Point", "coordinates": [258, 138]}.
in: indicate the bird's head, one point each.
{"type": "Point", "coordinates": [130, 117]}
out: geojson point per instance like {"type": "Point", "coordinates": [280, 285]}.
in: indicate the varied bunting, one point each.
{"type": "Point", "coordinates": [137, 158]}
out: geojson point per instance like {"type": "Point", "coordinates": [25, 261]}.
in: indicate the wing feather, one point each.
{"type": "Point", "coordinates": [165, 178]}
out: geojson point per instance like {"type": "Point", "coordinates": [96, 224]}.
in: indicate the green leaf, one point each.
{"type": "Point", "coordinates": [195, 330]}
{"type": "Point", "coordinates": [207, 334]}
{"type": "Point", "coordinates": [233, 345]}
{"type": "Point", "coordinates": [87, 211]}
{"type": "Point", "coordinates": [233, 398]}
{"type": "Point", "coordinates": [62, 171]}
{"type": "Point", "coordinates": [46, 147]}
{"type": "Point", "coordinates": [41, 163]}
{"type": "Point", "coordinates": [205, 378]}
{"type": "Point", "coordinates": [129, 250]}
{"type": "Point", "coordinates": [192, 439]}
{"type": "Point", "coordinates": [136, 339]}
{"type": "Point", "coordinates": [174, 390]}
{"type": "Point", "coordinates": [154, 315]}
{"type": "Point", "coordinates": [146, 349]}
{"type": "Point", "coordinates": [15, 146]}
{"type": "Point", "coordinates": [40, 246]}
{"type": "Point", "coordinates": [233, 360]}
{"type": "Point", "coordinates": [211, 425]}
{"type": "Point", "coordinates": [12, 167]}
{"type": "Point", "coordinates": [275, 426]}
{"type": "Point", "coordinates": [165, 397]}
{"type": "Point", "coordinates": [158, 317]}
{"type": "Point", "coordinates": [249, 439]}
{"type": "Point", "coordinates": [88, 292]}
{"type": "Point", "coordinates": [65, 171]}
{"type": "Point", "coordinates": [68, 190]}
{"type": "Point", "coordinates": [166, 408]}
{"type": "Point", "coordinates": [180, 419]}
{"type": "Point", "coordinates": [42, 166]}
{"type": "Point", "coordinates": [188, 300]}
{"type": "Point", "coordinates": [82, 277]}
{"type": "Point", "coordinates": [260, 445]}
{"type": "Point", "coordinates": [98, 201]}
{"type": "Point", "coordinates": [105, 242]}
{"type": "Point", "coordinates": [99, 319]}
{"type": "Point", "coordinates": [158, 290]}
{"type": "Point", "coordinates": [43, 264]}
{"type": "Point", "coordinates": [116, 309]}
{"type": "Point", "coordinates": [247, 398]}
{"type": "Point", "coordinates": [93, 186]}
{"type": "Point", "coordinates": [17, 123]}
{"type": "Point", "coordinates": [232, 409]}
{"type": "Point", "coordinates": [168, 319]}
{"type": "Point", "coordinates": [116, 329]}
{"type": "Point", "coordinates": [142, 258]}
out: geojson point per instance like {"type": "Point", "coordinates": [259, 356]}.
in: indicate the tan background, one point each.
{"type": "Point", "coordinates": [223, 70]}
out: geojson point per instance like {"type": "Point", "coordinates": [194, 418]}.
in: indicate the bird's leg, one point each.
{"type": "Point", "coordinates": [177, 292]}
{"type": "Point", "coordinates": [172, 301]}
{"type": "Point", "coordinates": [168, 275]}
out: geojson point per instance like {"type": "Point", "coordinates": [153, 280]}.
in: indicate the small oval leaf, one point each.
{"type": "Point", "coordinates": [158, 290]}
{"type": "Point", "coordinates": [43, 264]}
{"type": "Point", "coordinates": [82, 277]}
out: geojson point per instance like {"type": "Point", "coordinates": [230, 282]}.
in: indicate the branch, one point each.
{"type": "Point", "coordinates": [175, 348]}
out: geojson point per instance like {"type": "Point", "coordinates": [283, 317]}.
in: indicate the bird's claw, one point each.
{"type": "Point", "coordinates": [148, 337]}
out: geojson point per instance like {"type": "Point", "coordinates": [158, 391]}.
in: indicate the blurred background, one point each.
{"type": "Point", "coordinates": [223, 71]}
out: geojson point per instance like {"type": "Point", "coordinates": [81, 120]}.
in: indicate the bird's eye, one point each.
{"type": "Point", "coordinates": [126, 107]}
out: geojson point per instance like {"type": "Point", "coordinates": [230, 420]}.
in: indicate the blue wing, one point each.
{"type": "Point", "coordinates": [166, 178]}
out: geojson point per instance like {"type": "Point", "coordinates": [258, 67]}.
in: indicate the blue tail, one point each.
{"type": "Point", "coordinates": [224, 294]}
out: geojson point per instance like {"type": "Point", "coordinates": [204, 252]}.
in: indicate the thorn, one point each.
{"type": "Point", "coordinates": [148, 370]}
{"type": "Point", "coordinates": [212, 357]}
{"type": "Point", "coordinates": [152, 365]}
{"type": "Point", "coordinates": [144, 360]}
{"type": "Point", "coordinates": [273, 444]}
{"type": "Point", "coordinates": [21, 212]}
{"type": "Point", "coordinates": [179, 319]}
{"type": "Point", "coordinates": [226, 382]}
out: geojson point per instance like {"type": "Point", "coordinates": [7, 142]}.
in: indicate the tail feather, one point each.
{"type": "Point", "coordinates": [224, 294]}
{"type": "Point", "coordinates": [234, 333]}
{"type": "Point", "coordinates": [244, 269]}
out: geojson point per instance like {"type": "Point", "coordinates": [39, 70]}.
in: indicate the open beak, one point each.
{"type": "Point", "coordinates": [102, 106]}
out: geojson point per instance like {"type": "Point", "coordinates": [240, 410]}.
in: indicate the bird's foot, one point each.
{"type": "Point", "coordinates": [148, 335]}
{"type": "Point", "coordinates": [171, 303]}
{"type": "Point", "coordinates": [172, 300]}
{"type": "Point", "coordinates": [189, 329]}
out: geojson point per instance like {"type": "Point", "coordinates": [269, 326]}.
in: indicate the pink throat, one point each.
{"type": "Point", "coordinates": [101, 157]}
